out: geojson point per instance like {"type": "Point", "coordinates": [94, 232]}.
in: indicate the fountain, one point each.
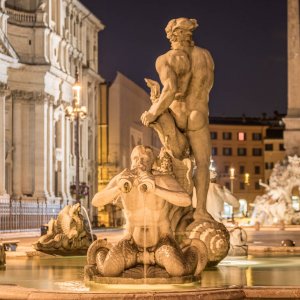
{"type": "Point", "coordinates": [166, 240]}
{"type": "Point", "coordinates": [67, 234]}
{"type": "Point", "coordinates": [170, 249]}
{"type": "Point", "coordinates": [275, 206]}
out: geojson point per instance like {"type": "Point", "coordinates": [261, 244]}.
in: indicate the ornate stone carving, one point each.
{"type": "Point", "coordinates": [179, 114]}
{"type": "Point", "coordinates": [238, 242]}
{"type": "Point", "coordinates": [146, 196]}
{"type": "Point", "coordinates": [166, 238]}
{"type": "Point", "coordinates": [67, 234]}
{"type": "Point", "coordinates": [216, 197]}
{"type": "Point", "coordinates": [275, 206]}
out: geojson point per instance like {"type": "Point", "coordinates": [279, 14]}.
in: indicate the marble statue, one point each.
{"type": "Point", "coordinates": [275, 206]}
{"type": "Point", "coordinates": [186, 73]}
{"type": "Point", "coordinates": [216, 197]}
{"type": "Point", "coordinates": [179, 114]}
{"type": "Point", "coordinates": [146, 196]}
{"type": "Point", "coordinates": [67, 234]}
{"type": "Point", "coordinates": [238, 242]}
{"type": "Point", "coordinates": [166, 236]}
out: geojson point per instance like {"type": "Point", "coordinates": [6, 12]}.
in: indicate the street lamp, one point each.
{"type": "Point", "coordinates": [231, 177]}
{"type": "Point", "coordinates": [247, 178]}
{"type": "Point", "coordinates": [75, 113]}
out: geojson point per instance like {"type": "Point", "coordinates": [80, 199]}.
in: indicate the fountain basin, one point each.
{"type": "Point", "coordinates": [234, 278]}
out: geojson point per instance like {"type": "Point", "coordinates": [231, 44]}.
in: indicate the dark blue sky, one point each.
{"type": "Point", "coordinates": [247, 39]}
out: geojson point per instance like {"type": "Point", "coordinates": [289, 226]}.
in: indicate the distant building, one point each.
{"type": "Point", "coordinates": [244, 151]}
{"type": "Point", "coordinates": [42, 43]}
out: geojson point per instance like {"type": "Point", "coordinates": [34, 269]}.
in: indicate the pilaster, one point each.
{"type": "Point", "coordinates": [17, 143]}
{"type": "Point", "coordinates": [41, 147]}
{"type": "Point", "coordinates": [3, 94]}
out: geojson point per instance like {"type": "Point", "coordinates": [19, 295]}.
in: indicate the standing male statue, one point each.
{"type": "Point", "coordinates": [186, 73]}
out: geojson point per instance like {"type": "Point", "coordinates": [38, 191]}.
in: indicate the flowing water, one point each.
{"type": "Point", "coordinates": [67, 274]}
{"type": "Point", "coordinates": [89, 222]}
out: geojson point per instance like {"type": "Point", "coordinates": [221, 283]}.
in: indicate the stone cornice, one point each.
{"type": "Point", "coordinates": [37, 97]}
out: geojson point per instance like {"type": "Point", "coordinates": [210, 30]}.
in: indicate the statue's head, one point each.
{"type": "Point", "coordinates": [142, 157]}
{"type": "Point", "coordinates": [180, 30]}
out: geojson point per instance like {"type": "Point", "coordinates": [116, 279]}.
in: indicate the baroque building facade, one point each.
{"type": "Point", "coordinates": [43, 43]}
{"type": "Point", "coordinates": [244, 152]}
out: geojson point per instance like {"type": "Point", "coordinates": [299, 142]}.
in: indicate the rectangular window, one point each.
{"type": "Point", "coordinates": [214, 151]}
{"type": "Point", "coordinates": [227, 151]}
{"type": "Point", "coordinates": [257, 185]}
{"type": "Point", "coordinates": [281, 147]}
{"type": "Point", "coordinates": [227, 185]}
{"type": "Point", "coordinates": [242, 185]}
{"type": "Point", "coordinates": [213, 135]}
{"type": "Point", "coordinates": [241, 136]}
{"type": "Point", "coordinates": [269, 165]}
{"type": "Point", "coordinates": [226, 169]}
{"type": "Point", "coordinates": [242, 169]}
{"type": "Point", "coordinates": [241, 151]}
{"type": "Point", "coordinates": [256, 169]}
{"type": "Point", "coordinates": [227, 136]}
{"type": "Point", "coordinates": [256, 152]}
{"type": "Point", "coordinates": [256, 136]}
{"type": "Point", "coordinates": [268, 147]}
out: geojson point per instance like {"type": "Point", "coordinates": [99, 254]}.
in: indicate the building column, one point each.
{"type": "Point", "coordinates": [2, 143]}
{"type": "Point", "coordinates": [63, 156]}
{"type": "Point", "coordinates": [67, 159]}
{"type": "Point", "coordinates": [50, 149]}
{"type": "Point", "coordinates": [27, 149]}
{"type": "Point", "coordinates": [292, 120]}
{"type": "Point", "coordinates": [17, 144]}
{"type": "Point", "coordinates": [41, 148]}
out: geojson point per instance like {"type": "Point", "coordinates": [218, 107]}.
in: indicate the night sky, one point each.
{"type": "Point", "coordinates": [247, 39]}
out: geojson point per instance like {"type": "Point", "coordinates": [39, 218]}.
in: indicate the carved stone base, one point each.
{"type": "Point", "coordinates": [214, 235]}
{"type": "Point", "coordinates": [139, 275]}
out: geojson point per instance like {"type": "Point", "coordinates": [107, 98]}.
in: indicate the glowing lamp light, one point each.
{"type": "Point", "coordinates": [247, 178]}
{"type": "Point", "coordinates": [231, 173]}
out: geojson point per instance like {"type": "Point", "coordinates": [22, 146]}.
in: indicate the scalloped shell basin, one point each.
{"type": "Point", "coordinates": [66, 274]}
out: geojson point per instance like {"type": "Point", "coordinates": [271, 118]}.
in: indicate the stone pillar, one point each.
{"type": "Point", "coordinates": [67, 159]}
{"type": "Point", "coordinates": [63, 156]}
{"type": "Point", "coordinates": [41, 148]}
{"type": "Point", "coordinates": [17, 144]}
{"type": "Point", "coordinates": [27, 154]}
{"type": "Point", "coordinates": [50, 149]}
{"type": "Point", "coordinates": [292, 120]}
{"type": "Point", "coordinates": [2, 143]}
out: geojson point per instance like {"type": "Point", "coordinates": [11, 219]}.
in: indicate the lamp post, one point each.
{"type": "Point", "coordinates": [231, 177]}
{"type": "Point", "coordinates": [247, 178]}
{"type": "Point", "coordinates": [75, 113]}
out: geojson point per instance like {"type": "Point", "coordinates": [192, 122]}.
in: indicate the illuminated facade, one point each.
{"type": "Point", "coordinates": [42, 43]}
{"type": "Point", "coordinates": [245, 151]}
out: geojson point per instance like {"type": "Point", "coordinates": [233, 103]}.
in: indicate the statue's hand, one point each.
{"type": "Point", "coordinates": [125, 181]}
{"type": "Point", "coordinates": [146, 182]}
{"type": "Point", "coordinates": [147, 118]}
